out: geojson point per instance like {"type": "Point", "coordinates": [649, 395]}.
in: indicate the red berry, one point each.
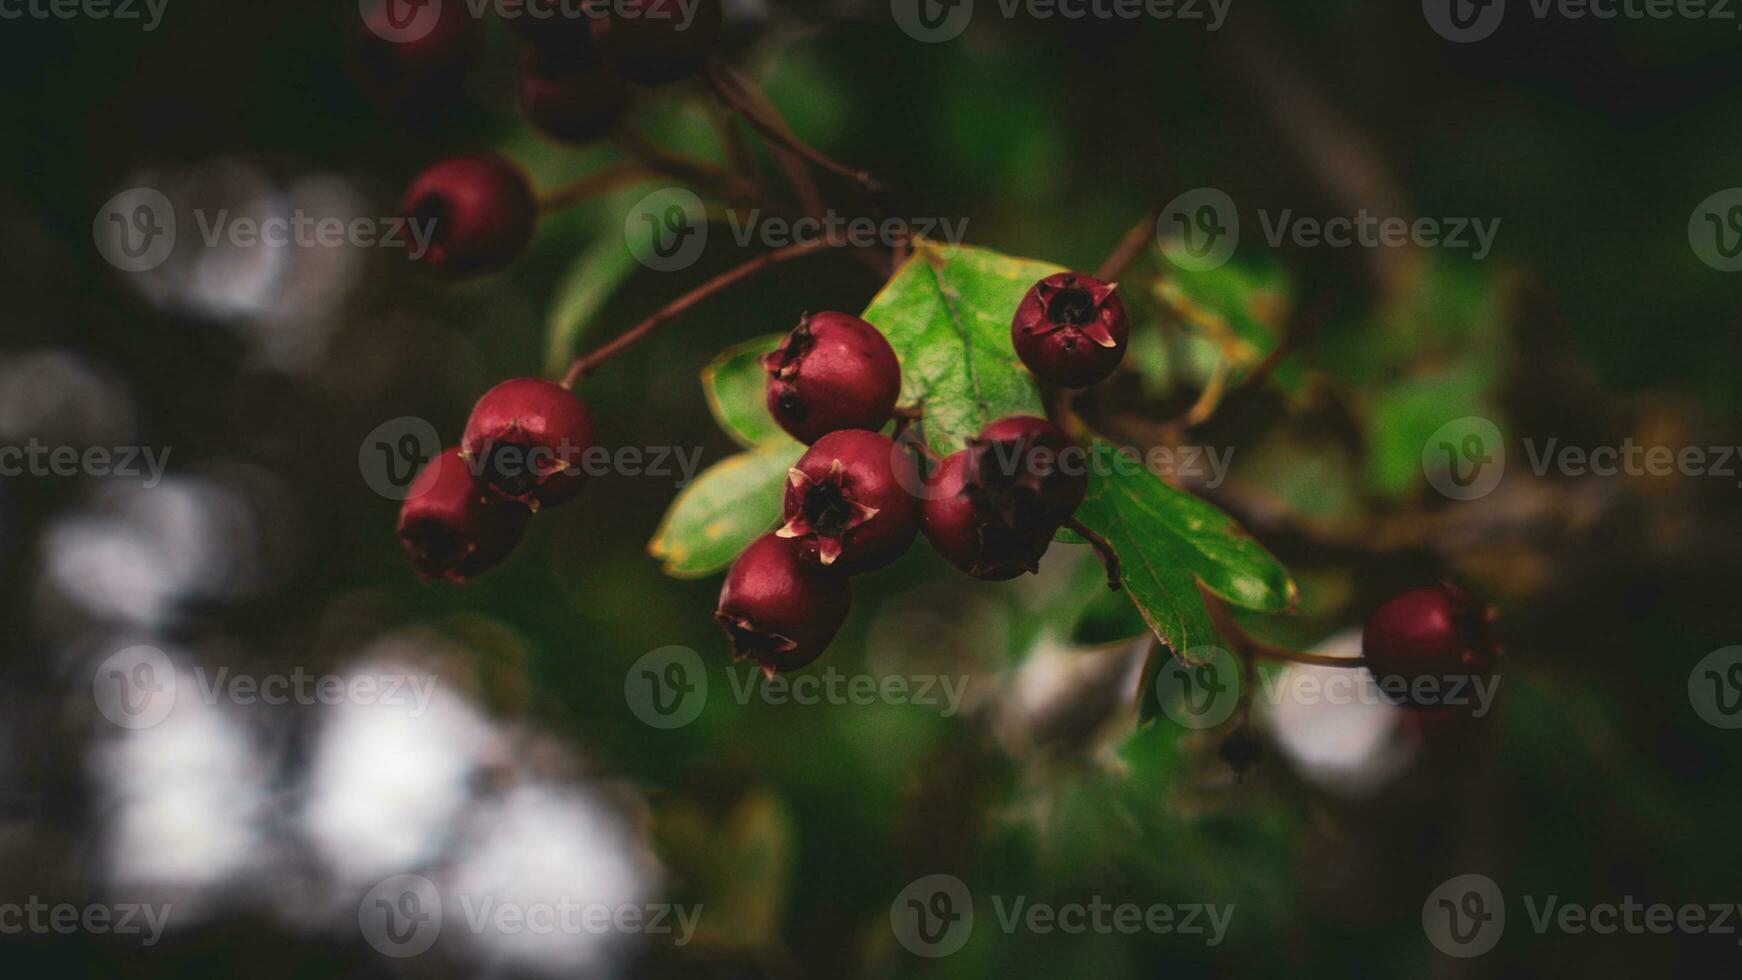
{"type": "Point", "coordinates": [571, 94]}
{"type": "Point", "coordinates": [653, 42]}
{"type": "Point", "coordinates": [550, 23]}
{"type": "Point", "coordinates": [425, 71]}
{"type": "Point", "coordinates": [449, 528]}
{"type": "Point", "coordinates": [1070, 330]}
{"type": "Point", "coordinates": [1023, 462]}
{"type": "Point", "coordinates": [974, 539]}
{"type": "Point", "coordinates": [779, 609]}
{"type": "Point", "coordinates": [850, 501]}
{"type": "Point", "coordinates": [525, 440]}
{"type": "Point", "coordinates": [832, 372]}
{"type": "Point", "coordinates": [482, 210]}
{"type": "Point", "coordinates": [1439, 633]}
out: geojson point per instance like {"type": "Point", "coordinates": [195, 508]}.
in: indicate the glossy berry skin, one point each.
{"type": "Point", "coordinates": [482, 211]}
{"type": "Point", "coordinates": [778, 608]}
{"type": "Point", "coordinates": [1438, 632]}
{"type": "Point", "coordinates": [651, 43]}
{"type": "Point", "coordinates": [417, 76]}
{"type": "Point", "coordinates": [1071, 330]}
{"type": "Point", "coordinates": [850, 501]}
{"type": "Point", "coordinates": [571, 94]}
{"type": "Point", "coordinates": [832, 372]}
{"type": "Point", "coordinates": [450, 528]}
{"type": "Point", "coordinates": [972, 538]}
{"type": "Point", "coordinates": [1024, 462]}
{"type": "Point", "coordinates": [525, 440]}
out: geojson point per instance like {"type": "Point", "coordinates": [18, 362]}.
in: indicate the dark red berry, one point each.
{"type": "Point", "coordinates": [1436, 635]}
{"type": "Point", "coordinates": [482, 214]}
{"type": "Point", "coordinates": [850, 501]}
{"type": "Point", "coordinates": [571, 94]}
{"type": "Point", "coordinates": [1022, 463]}
{"type": "Point", "coordinates": [779, 609]}
{"type": "Point", "coordinates": [653, 42]}
{"type": "Point", "coordinates": [415, 59]}
{"type": "Point", "coordinates": [450, 528]}
{"type": "Point", "coordinates": [525, 441]}
{"type": "Point", "coordinates": [1071, 330]}
{"type": "Point", "coordinates": [832, 372]}
{"type": "Point", "coordinates": [550, 23]}
{"type": "Point", "coordinates": [973, 538]}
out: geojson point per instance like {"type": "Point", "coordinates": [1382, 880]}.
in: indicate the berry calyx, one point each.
{"type": "Point", "coordinates": [655, 42]}
{"type": "Point", "coordinates": [570, 93]}
{"type": "Point", "coordinates": [524, 441]}
{"type": "Point", "coordinates": [1071, 330]}
{"type": "Point", "coordinates": [480, 212]}
{"type": "Point", "coordinates": [848, 505]}
{"type": "Point", "coordinates": [1023, 463]}
{"type": "Point", "coordinates": [1424, 644]}
{"type": "Point", "coordinates": [779, 609]}
{"type": "Point", "coordinates": [412, 68]}
{"type": "Point", "coordinates": [975, 539]}
{"type": "Point", "coordinates": [832, 372]}
{"type": "Point", "coordinates": [449, 528]}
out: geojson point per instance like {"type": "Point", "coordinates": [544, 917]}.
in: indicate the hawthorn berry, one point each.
{"type": "Point", "coordinates": [525, 440]}
{"type": "Point", "coordinates": [850, 501]}
{"type": "Point", "coordinates": [655, 42]}
{"type": "Point", "coordinates": [571, 94]}
{"type": "Point", "coordinates": [832, 372]}
{"type": "Point", "coordinates": [1070, 330]}
{"type": "Point", "coordinates": [420, 75]}
{"type": "Point", "coordinates": [450, 528]}
{"type": "Point", "coordinates": [970, 535]}
{"type": "Point", "coordinates": [1021, 463]}
{"type": "Point", "coordinates": [779, 609]}
{"type": "Point", "coordinates": [1438, 633]}
{"type": "Point", "coordinates": [482, 214]}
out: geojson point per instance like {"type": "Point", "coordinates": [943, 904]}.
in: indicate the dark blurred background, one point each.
{"type": "Point", "coordinates": [265, 550]}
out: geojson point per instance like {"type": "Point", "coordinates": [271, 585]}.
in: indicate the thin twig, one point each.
{"type": "Point", "coordinates": [583, 366]}
{"type": "Point", "coordinates": [1103, 551]}
{"type": "Point", "coordinates": [595, 184]}
{"type": "Point", "coordinates": [733, 89]}
{"type": "Point", "coordinates": [727, 184]}
{"type": "Point", "coordinates": [1251, 647]}
{"type": "Point", "coordinates": [1129, 247]}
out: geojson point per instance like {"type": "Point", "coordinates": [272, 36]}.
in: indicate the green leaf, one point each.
{"type": "Point", "coordinates": [1169, 543]}
{"type": "Point", "coordinates": [734, 384]}
{"type": "Point", "coordinates": [730, 505]}
{"type": "Point", "coordinates": [583, 292]}
{"type": "Point", "coordinates": [947, 313]}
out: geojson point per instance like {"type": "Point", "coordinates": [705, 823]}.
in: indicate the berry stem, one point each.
{"type": "Point", "coordinates": [1251, 647]}
{"type": "Point", "coordinates": [1103, 551]}
{"type": "Point", "coordinates": [726, 184]}
{"type": "Point", "coordinates": [599, 182]}
{"type": "Point", "coordinates": [1129, 247]}
{"type": "Point", "coordinates": [583, 366]}
{"type": "Point", "coordinates": [734, 89]}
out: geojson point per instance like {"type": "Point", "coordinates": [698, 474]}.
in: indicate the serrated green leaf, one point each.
{"type": "Point", "coordinates": [734, 384]}
{"type": "Point", "coordinates": [1169, 543]}
{"type": "Point", "coordinates": [730, 505]}
{"type": "Point", "coordinates": [947, 313]}
{"type": "Point", "coordinates": [583, 292]}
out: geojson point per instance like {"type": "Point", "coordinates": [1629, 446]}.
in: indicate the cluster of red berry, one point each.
{"type": "Point", "coordinates": [857, 499]}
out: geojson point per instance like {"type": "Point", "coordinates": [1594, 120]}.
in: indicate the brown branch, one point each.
{"type": "Point", "coordinates": [583, 366]}
{"type": "Point", "coordinates": [1141, 234]}
{"type": "Point", "coordinates": [1103, 551]}
{"type": "Point", "coordinates": [1250, 647]}
{"type": "Point", "coordinates": [595, 184]}
{"type": "Point", "coordinates": [654, 157]}
{"type": "Point", "coordinates": [734, 90]}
